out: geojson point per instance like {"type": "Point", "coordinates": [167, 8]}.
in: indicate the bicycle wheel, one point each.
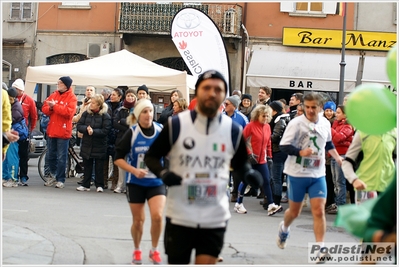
{"type": "Point", "coordinates": [44, 170]}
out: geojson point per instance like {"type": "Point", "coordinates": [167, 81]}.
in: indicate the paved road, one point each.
{"type": "Point", "coordinates": [43, 225]}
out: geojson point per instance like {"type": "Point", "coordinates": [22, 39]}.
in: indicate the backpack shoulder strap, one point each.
{"type": "Point", "coordinates": [174, 129]}
{"type": "Point", "coordinates": [236, 133]}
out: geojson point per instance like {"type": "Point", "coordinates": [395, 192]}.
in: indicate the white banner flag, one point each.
{"type": "Point", "coordinates": [200, 43]}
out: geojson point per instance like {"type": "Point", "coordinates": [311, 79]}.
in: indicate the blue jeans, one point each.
{"type": "Point", "coordinates": [277, 172]}
{"type": "Point", "coordinates": [264, 170]}
{"type": "Point", "coordinates": [339, 183]}
{"type": "Point", "coordinates": [57, 157]}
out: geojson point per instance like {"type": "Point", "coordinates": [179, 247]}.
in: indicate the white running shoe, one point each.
{"type": "Point", "coordinates": [273, 209]}
{"type": "Point", "coordinates": [118, 190]}
{"type": "Point", "coordinates": [239, 208]}
{"type": "Point", "coordinates": [59, 185]}
{"type": "Point", "coordinates": [10, 183]}
{"type": "Point", "coordinates": [100, 189]}
{"type": "Point", "coordinates": [282, 236]}
{"type": "Point", "coordinates": [82, 188]}
{"type": "Point", "coordinates": [50, 182]}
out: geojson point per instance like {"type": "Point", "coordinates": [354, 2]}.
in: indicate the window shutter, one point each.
{"type": "Point", "coordinates": [287, 6]}
{"type": "Point", "coordinates": [329, 7]}
{"type": "Point", "coordinates": [27, 11]}
{"type": "Point", "coordinates": [15, 10]}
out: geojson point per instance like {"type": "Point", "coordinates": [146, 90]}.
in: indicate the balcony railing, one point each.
{"type": "Point", "coordinates": [153, 18]}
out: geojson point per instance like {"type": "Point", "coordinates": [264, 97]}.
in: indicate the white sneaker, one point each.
{"type": "Point", "coordinates": [239, 208]}
{"type": "Point", "coordinates": [10, 183]}
{"type": "Point", "coordinates": [59, 185]}
{"type": "Point", "coordinates": [273, 209]}
{"type": "Point", "coordinates": [282, 236]}
{"type": "Point", "coordinates": [82, 188]}
{"type": "Point", "coordinates": [118, 190]}
{"type": "Point", "coordinates": [50, 182]}
{"type": "Point", "coordinates": [100, 189]}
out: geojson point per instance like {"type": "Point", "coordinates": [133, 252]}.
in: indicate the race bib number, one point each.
{"type": "Point", "coordinates": [362, 196]}
{"type": "Point", "coordinates": [310, 163]}
{"type": "Point", "coordinates": [201, 190]}
{"type": "Point", "coordinates": [141, 165]}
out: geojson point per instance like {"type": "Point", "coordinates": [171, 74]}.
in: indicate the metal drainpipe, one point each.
{"type": "Point", "coordinates": [244, 63]}
{"type": "Point", "coordinates": [244, 69]}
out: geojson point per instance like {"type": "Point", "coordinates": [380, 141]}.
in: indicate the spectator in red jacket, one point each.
{"type": "Point", "coordinates": [30, 115]}
{"type": "Point", "coordinates": [60, 106]}
{"type": "Point", "coordinates": [257, 135]}
{"type": "Point", "coordinates": [342, 134]}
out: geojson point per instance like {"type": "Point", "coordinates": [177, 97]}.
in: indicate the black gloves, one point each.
{"type": "Point", "coordinates": [253, 159]}
{"type": "Point", "coordinates": [269, 163]}
{"type": "Point", "coordinates": [253, 178]}
{"type": "Point", "coordinates": [171, 179]}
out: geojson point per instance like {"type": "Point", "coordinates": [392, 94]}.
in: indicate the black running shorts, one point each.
{"type": "Point", "coordinates": [180, 241]}
{"type": "Point", "coordinates": [138, 194]}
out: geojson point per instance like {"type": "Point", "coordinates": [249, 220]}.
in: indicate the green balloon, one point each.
{"type": "Point", "coordinates": [391, 65]}
{"type": "Point", "coordinates": [371, 108]}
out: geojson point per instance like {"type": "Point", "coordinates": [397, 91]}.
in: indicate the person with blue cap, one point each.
{"type": "Point", "coordinates": [329, 111]}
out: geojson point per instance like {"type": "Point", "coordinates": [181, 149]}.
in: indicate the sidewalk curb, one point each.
{"type": "Point", "coordinates": [34, 245]}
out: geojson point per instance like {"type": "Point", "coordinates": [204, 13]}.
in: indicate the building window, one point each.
{"type": "Point", "coordinates": [75, 5]}
{"type": "Point", "coordinates": [309, 7]}
{"type": "Point", "coordinates": [318, 9]}
{"type": "Point", "coordinates": [80, 3]}
{"type": "Point", "coordinates": [21, 11]}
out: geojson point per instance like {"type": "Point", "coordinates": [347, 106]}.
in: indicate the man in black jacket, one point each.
{"type": "Point", "coordinates": [295, 100]}
{"type": "Point", "coordinates": [277, 126]}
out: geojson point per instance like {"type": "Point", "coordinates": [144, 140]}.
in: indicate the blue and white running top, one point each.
{"type": "Point", "coordinates": [140, 144]}
{"type": "Point", "coordinates": [302, 133]}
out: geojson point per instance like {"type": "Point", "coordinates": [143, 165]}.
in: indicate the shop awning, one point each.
{"type": "Point", "coordinates": [301, 70]}
{"type": "Point", "coordinates": [375, 70]}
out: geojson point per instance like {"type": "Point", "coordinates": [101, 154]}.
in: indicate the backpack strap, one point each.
{"type": "Point", "coordinates": [174, 129]}
{"type": "Point", "coordinates": [236, 134]}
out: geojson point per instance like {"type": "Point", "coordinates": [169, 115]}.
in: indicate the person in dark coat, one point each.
{"type": "Point", "coordinates": [168, 111]}
{"type": "Point", "coordinates": [246, 106]}
{"type": "Point", "coordinates": [95, 124]}
{"type": "Point", "coordinates": [278, 124]}
{"type": "Point", "coordinates": [114, 103]}
{"type": "Point", "coordinates": [122, 125]}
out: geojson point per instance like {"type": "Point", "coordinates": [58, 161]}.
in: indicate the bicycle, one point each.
{"type": "Point", "coordinates": [74, 164]}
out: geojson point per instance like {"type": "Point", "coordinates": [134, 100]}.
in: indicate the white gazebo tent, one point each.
{"type": "Point", "coordinates": [118, 68]}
